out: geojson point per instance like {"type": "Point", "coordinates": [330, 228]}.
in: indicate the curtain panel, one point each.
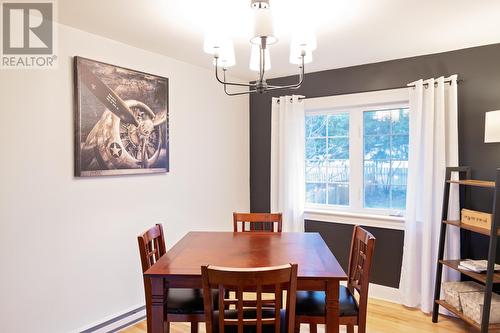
{"type": "Point", "coordinates": [287, 161]}
{"type": "Point", "coordinates": [433, 146]}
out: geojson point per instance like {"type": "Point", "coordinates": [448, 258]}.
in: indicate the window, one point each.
{"type": "Point", "coordinates": [357, 152]}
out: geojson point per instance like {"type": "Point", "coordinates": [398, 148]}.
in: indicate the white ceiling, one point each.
{"type": "Point", "coordinates": [349, 32]}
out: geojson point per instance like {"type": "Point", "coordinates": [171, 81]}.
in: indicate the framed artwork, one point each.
{"type": "Point", "coordinates": [121, 120]}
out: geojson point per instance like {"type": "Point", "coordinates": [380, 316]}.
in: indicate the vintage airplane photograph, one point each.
{"type": "Point", "coordinates": [121, 120]}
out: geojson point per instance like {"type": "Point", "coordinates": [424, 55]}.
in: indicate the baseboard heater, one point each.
{"type": "Point", "coordinates": [119, 322]}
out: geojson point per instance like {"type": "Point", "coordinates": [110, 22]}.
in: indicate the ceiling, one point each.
{"type": "Point", "coordinates": [349, 32]}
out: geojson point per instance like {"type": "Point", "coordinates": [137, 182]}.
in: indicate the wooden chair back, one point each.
{"type": "Point", "coordinates": [151, 248]}
{"type": "Point", "coordinates": [257, 222]}
{"type": "Point", "coordinates": [257, 280]}
{"type": "Point", "coordinates": [360, 262]}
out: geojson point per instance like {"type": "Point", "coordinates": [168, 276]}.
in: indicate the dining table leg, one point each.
{"type": "Point", "coordinates": [158, 300]}
{"type": "Point", "coordinates": [332, 306]}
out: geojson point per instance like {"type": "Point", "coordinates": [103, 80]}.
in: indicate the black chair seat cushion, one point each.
{"type": "Point", "coordinates": [187, 301]}
{"type": "Point", "coordinates": [312, 303]}
{"type": "Point", "coordinates": [250, 314]}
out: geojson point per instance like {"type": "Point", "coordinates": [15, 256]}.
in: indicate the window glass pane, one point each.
{"type": "Point", "coordinates": [338, 148]}
{"type": "Point", "coordinates": [398, 197]}
{"type": "Point", "coordinates": [377, 172]}
{"type": "Point", "coordinates": [316, 193]}
{"type": "Point", "coordinates": [377, 122]}
{"type": "Point", "coordinates": [327, 159]}
{"type": "Point", "coordinates": [338, 194]}
{"type": "Point", "coordinates": [377, 196]}
{"type": "Point", "coordinates": [338, 171]}
{"type": "Point", "coordinates": [385, 158]}
{"type": "Point", "coordinates": [400, 121]}
{"type": "Point", "coordinates": [315, 149]}
{"type": "Point", "coordinates": [316, 171]}
{"type": "Point", "coordinates": [377, 147]}
{"type": "Point", "coordinates": [399, 172]}
{"type": "Point", "coordinates": [316, 126]}
{"type": "Point", "coordinates": [338, 125]}
{"type": "Point", "coordinates": [399, 147]}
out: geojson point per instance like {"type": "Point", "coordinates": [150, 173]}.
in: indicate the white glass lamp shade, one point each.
{"type": "Point", "coordinates": [492, 127]}
{"type": "Point", "coordinates": [296, 56]}
{"type": "Point", "coordinates": [212, 44]}
{"type": "Point", "coordinates": [223, 49]}
{"type": "Point", "coordinates": [305, 40]}
{"type": "Point", "coordinates": [263, 26]}
{"type": "Point", "coordinates": [255, 59]}
{"type": "Point", "coordinates": [302, 42]}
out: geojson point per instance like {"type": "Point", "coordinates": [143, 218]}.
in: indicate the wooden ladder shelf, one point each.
{"type": "Point", "coordinates": [490, 277]}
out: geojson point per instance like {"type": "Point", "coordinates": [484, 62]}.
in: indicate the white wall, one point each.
{"type": "Point", "coordinates": [68, 246]}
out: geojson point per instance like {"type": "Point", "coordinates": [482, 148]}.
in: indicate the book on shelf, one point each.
{"type": "Point", "coordinates": [477, 266]}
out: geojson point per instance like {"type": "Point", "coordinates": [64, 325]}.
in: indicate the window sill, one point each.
{"type": "Point", "coordinates": [369, 220]}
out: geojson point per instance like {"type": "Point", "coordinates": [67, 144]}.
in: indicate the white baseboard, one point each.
{"type": "Point", "coordinates": [384, 293]}
{"type": "Point", "coordinates": [115, 322]}
{"type": "Point", "coordinates": [393, 295]}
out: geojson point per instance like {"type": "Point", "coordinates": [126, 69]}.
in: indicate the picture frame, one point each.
{"type": "Point", "coordinates": [121, 120]}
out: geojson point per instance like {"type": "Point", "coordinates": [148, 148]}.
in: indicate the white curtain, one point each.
{"type": "Point", "coordinates": [287, 161]}
{"type": "Point", "coordinates": [433, 146]}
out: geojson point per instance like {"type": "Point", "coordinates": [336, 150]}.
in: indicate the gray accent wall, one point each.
{"type": "Point", "coordinates": [388, 255]}
{"type": "Point", "coordinates": [478, 67]}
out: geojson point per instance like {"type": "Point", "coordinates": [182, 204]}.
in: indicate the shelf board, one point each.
{"type": "Point", "coordinates": [473, 182]}
{"type": "Point", "coordinates": [461, 315]}
{"type": "Point", "coordinates": [481, 277]}
{"type": "Point", "coordinates": [479, 230]}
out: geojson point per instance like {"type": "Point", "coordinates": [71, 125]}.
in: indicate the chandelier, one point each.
{"type": "Point", "coordinates": [222, 50]}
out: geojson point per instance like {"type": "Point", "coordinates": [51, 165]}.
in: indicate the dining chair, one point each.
{"type": "Point", "coordinates": [255, 315]}
{"type": "Point", "coordinates": [257, 222]}
{"type": "Point", "coordinates": [183, 305]}
{"type": "Point", "coordinates": [311, 304]}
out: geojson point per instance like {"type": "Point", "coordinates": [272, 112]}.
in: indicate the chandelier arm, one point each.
{"type": "Point", "coordinates": [229, 83]}
{"type": "Point", "coordinates": [240, 93]}
{"type": "Point", "coordinates": [237, 93]}
{"type": "Point", "coordinates": [291, 86]}
{"type": "Point", "coordinates": [279, 87]}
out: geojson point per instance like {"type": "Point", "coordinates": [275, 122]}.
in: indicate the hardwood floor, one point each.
{"type": "Point", "coordinates": [383, 317]}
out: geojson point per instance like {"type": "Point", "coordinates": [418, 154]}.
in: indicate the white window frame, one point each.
{"type": "Point", "coordinates": [355, 105]}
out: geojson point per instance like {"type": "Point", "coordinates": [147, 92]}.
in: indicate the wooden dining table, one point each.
{"type": "Point", "coordinates": [180, 267]}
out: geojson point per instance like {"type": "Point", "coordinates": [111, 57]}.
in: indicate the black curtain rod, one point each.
{"type": "Point", "coordinates": [426, 85]}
